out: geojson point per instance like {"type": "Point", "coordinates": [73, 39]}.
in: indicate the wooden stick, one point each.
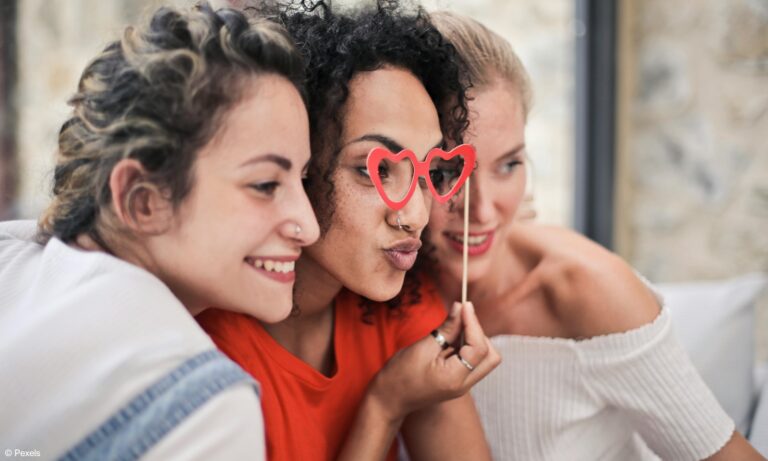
{"type": "Point", "coordinates": [465, 249]}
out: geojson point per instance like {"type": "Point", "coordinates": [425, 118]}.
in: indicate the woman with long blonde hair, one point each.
{"type": "Point", "coordinates": [592, 368]}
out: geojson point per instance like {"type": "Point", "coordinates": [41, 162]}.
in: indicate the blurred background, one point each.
{"type": "Point", "coordinates": [649, 131]}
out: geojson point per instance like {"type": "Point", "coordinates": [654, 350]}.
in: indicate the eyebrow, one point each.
{"type": "Point", "coordinates": [510, 153]}
{"type": "Point", "coordinates": [281, 161]}
{"type": "Point", "coordinates": [388, 142]}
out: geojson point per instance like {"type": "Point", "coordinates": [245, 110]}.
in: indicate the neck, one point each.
{"type": "Point", "coordinates": [315, 287]}
{"type": "Point", "coordinates": [504, 272]}
{"type": "Point", "coordinates": [309, 335]}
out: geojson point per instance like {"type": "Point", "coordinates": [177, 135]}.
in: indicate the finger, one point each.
{"type": "Point", "coordinates": [452, 325]}
{"type": "Point", "coordinates": [491, 360]}
{"type": "Point", "coordinates": [477, 345]}
{"type": "Point", "coordinates": [446, 353]}
{"type": "Point", "coordinates": [473, 332]}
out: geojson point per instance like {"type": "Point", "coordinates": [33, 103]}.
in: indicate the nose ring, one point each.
{"type": "Point", "coordinates": [297, 230]}
{"type": "Point", "coordinates": [399, 224]}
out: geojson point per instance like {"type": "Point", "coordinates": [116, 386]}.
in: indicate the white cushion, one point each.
{"type": "Point", "coordinates": [715, 323]}
{"type": "Point", "coordinates": [758, 435]}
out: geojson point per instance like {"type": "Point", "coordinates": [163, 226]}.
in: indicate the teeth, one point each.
{"type": "Point", "coordinates": [270, 265]}
{"type": "Point", "coordinates": [471, 241]}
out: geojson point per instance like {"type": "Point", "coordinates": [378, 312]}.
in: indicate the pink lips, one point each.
{"type": "Point", "coordinates": [473, 250]}
{"type": "Point", "coordinates": [402, 255]}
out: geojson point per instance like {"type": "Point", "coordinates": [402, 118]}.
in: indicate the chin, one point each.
{"type": "Point", "coordinates": [275, 315]}
{"type": "Point", "coordinates": [385, 291]}
{"type": "Point", "coordinates": [276, 311]}
{"type": "Point", "coordinates": [475, 271]}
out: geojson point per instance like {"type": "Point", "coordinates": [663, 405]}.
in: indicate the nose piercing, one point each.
{"type": "Point", "coordinates": [297, 230]}
{"type": "Point", "coordinates": [399, 224]}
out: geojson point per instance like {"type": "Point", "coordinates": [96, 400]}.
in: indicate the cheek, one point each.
{"type": "Point", "coordinates": [236, 224]}
{"type": "Point", "coordinates": [438, 220]}
{"type": "Point", "coordinates": [352, 228]}
{"type": "Point", "coordinates": [511, 197]}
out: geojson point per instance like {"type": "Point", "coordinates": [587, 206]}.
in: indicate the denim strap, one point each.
{"type": "Point", "coordinates": [147, 418]}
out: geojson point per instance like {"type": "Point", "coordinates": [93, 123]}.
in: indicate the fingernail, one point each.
{"type": "Point", "coordinates": [470, 307]}
{"type": "Point", "coordinates": [456, 308]}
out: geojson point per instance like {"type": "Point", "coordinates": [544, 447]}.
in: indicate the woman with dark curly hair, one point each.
{"type": "Point", "coordinates": [341, 376]}
{"type": "Point", "coordinates": [177, 186]}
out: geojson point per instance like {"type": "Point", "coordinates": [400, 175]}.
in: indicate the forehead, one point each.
{"type": "Point", "coordinates": [394, 103]}
{"type": "Point", "coordinates": [497, 108]}
{"type": "Point", "coordinates": [496, 120]}
{"type": "Point", "coordinates": [268, 117]}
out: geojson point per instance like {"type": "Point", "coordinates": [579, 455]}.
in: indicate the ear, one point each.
{"type": "Point", "coordinates": [136, 202]}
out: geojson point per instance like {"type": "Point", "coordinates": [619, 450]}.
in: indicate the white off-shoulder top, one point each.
{"type": "Point", "coordinates": [626, 396]}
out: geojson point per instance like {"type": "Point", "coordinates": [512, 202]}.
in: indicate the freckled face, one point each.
{"type": "Point", "coordinates": [364, 248]}
{"type": "Point", "coordinates": [497, 130]}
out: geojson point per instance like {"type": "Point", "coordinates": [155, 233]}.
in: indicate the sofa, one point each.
{"type": "Point", "coordinates": [715, 321]}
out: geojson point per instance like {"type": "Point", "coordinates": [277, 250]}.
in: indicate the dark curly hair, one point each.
{"type": "Point", "coordinates": [337, 46]}
{"type": "Point", "coordinates": [157, 95]}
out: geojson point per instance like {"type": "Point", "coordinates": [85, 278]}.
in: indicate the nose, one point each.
{"type": "Point", "coordinates": [414, 216]}
{"type": "Point", "coordinates": [480, 201]}
{"type": "Point", "coordinates": [300, 223]}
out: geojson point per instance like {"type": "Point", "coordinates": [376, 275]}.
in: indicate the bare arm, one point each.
{"type": "Point", "coordinates": [372, 433]}
{"type": "Point", "coordinates": [737, 448]}
{"type": "Point", "coordinates": [450, 430]}
{"type": "Point", "coordinates": [424, 376]}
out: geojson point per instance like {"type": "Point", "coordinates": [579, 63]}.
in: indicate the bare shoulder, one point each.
{"type": "Point", "coordinates": [589, 289]}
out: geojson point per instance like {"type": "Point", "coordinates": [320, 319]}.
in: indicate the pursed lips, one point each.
{"type": "Point", "coordinates": [402, 254]}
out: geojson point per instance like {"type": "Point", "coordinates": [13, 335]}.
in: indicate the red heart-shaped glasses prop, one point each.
{"type": "Point", "coordinates": [420, 169]}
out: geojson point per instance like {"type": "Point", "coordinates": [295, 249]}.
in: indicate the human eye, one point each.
{"type": "Point", "coordinates": [437, 176]}
{"type": "Point", "coordinates": [445, 172]}
{"type": "Point", "coordinates": [363, 171]}
{"type": "Point", "coordinates": [509, 166]}
{"type": "Point", "coordinates": [266, 188]}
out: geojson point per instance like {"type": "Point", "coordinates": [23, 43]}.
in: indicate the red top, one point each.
{"type": "Point", "coordinates": [307, 414]}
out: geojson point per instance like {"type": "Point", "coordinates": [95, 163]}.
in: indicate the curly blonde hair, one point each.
{"type": "Point", "coordinates": [157, 96]}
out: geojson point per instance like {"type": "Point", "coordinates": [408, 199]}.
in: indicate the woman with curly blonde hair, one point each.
{"type": "Point", "coordinates": [177, 186]}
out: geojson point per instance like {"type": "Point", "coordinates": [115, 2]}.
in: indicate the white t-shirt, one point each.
{"type": "Point", "coordinates": [82, 334]}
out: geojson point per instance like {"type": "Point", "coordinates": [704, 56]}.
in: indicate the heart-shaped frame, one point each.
{"type": "Point", "coordinates": [420, 169]}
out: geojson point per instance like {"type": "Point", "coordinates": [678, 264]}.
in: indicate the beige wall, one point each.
{"type": "Point", "coordinates": [693, 152]}
{"type": "Point", "coordinates": [56, 39]}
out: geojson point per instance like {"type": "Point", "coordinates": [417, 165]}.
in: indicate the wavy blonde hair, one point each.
{"type": "Point", "coordinates": [488, 56]}
{"type": "Point", "coordinates": [157, 95]}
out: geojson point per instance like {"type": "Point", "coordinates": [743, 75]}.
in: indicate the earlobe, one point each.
{"type": "Point", "coordinates": [137, 203]}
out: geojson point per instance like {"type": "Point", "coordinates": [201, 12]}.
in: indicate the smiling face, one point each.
{"type": "Point", "coordinates": [497, 130]}
{"type": "Point", "coordinates": [364, 249]}
{"type": "Point", "coordinates": [234, 239]}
